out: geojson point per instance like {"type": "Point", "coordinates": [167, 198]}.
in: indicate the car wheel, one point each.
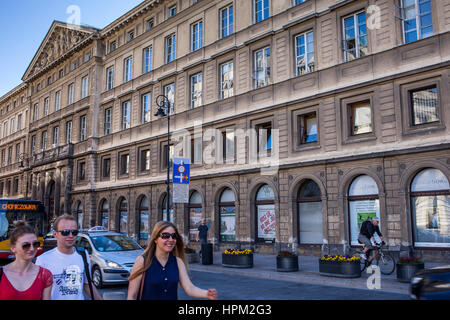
{"type": "Point", "coordinates": [97, 277]}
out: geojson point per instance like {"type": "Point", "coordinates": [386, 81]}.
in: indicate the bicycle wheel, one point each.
{"type": "Point", "coordinates": [386, 263]}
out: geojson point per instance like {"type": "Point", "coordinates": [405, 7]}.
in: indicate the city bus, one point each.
{"type": "Point", "coordinates": [33, 212]}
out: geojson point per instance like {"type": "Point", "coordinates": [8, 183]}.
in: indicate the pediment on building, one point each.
{"type": "Point", "coordinates": [59, 41]}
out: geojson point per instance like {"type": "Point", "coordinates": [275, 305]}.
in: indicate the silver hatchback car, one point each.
{"type": "Point", "coordinates": [112, 255]}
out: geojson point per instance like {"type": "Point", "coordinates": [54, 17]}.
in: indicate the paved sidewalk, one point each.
{"type": "Point", "coordinates": [264, 266]}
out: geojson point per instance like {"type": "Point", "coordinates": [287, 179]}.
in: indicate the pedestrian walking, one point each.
{"type": "Point", "coordinates": [66, 264]}
{"type": "Point", "coordinates": [203, 232]}
{"type": "Point", "coordinates": [156, 273]}
{"type": "Point", "coordinates": [22, 279]}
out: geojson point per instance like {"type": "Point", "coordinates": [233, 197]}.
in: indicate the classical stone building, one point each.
{"type": "Point", "coordinates": [301, 119]}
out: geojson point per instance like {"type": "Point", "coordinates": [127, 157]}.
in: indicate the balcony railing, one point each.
{"type": "Point", "coordinates": [54, 154]}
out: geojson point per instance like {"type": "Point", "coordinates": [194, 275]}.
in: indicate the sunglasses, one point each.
{"type": "Point", "coordinates": [167, 235]}
{"type": "Point", "coordinates": [66, 232]}
{"type": "Point", "coordinates": [27, 245]}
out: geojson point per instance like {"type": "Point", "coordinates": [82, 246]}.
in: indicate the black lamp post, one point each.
{"type": "Point", "coordinates": [164, 110]}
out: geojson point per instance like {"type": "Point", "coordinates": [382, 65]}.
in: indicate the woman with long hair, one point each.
{"type": "Point", "coordinates": [156, 273]}
{"type": "Point", "coordinates": [22, 279]}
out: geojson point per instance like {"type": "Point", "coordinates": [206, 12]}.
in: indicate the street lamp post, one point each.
{"type": "Point", "coordinates": [164, 110]}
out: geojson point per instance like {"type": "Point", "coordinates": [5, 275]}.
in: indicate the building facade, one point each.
{"type": "Point", "coordinates": [301, 119]}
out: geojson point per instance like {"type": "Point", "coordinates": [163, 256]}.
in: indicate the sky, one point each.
{"type": "Point", "coordinates": [25, 23]}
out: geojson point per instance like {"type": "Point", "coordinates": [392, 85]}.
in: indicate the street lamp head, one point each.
{"type": "Point", "coordinates": [160, 113]}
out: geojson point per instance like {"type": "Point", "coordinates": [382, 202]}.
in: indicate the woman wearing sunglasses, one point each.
{"type": "Point", "coordinates": [156, 274]}
{"type": "Point", "coordinates": [22, 279]}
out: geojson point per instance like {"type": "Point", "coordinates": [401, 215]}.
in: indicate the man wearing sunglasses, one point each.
{"type": "Point", "coordinates": [66, 264]}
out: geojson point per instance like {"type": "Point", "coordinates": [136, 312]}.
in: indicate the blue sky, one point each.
{"type": "Point", "coordinates": [24, 24]}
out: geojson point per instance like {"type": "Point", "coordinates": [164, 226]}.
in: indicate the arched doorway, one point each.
{"type": "Point", "coordinates": [123, 216]}
{"type": "Point", "coordinates": [227, 216]}
{"type": "Point", "coordinates": [195, 214]}
{"type": "Point", "coordinates": [309, 204]}
{"type": "Point", "coordinates": [143, 212]}
{"type": "Point", "coordinates": [265, 215]}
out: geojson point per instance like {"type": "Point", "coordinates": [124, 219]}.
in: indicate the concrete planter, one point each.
{"type": "Point", "coordinates": [192, 257]}
{"type": "Point", "coordinates": [406, 271]}
{"type": "Point", "coordinates": [340, 269]}
{"type": "Point", "coordinates": [287, 264]}
{"type": "Point", "coordinates": [237, 261]}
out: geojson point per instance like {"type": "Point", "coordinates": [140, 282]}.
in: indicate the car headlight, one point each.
{"type": "Point", "coordinates": [416, 280]}
{"type": "Point", "coordinates": [113, 265]}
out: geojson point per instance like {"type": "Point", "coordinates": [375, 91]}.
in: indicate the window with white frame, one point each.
{"type": "Point", "coordinates": [172, 11]}
{"type": "Point", "coordinates": [9, 155]}
{"type": "Point", "coordinates": [5, 129]}
{"type": "Point", "coordinates": [197, 36]}
{"type": "Point", "coordinates": [261, 10]}
{"type": "Point", "coordinates": [70, 94]}
{"type": "Point", "coordinates": [417, 20]}
{"type": "Point", "coordinates": [226, 21]}
{"type": "Point", "coordinates": [84, 87]}
{"type": "Point", "coordinates": [112, 46]}
{"type": "Point", "coordinates": [147, 62]}
{"type": "Point", "coordinates": [196, 90]}
{"type": "Point", "coordinates": [226, 80]}
{"type": "Point", "coordinates": [170, 48]}
{"type": "Point", "coordinates": [69, 132]}
{"type": "Point", "coordinates": [169, 92]}
{"type": "Point", "coordinates": [304, 53]}
{"type": "Point", "coordinates": [19, 122]}
{"type": "Point", "coordinates": [33, 144]}
{"type": "Point", "coordinates": [146, 108]}
{"type": "Point", "coordinates": [44, 141]}
{"type": "Point", "coordinates": [109, 78]}
{"type": "Point", "coordinates": [130, 35]}
{"type": "Point", "coordinates": [262, 67]}
{"type": "Point", "coordinates": [12, 126]}
{"type": "Point", "coordinates": [149, 24]}
{"type": "Point", "coordinates": [35, 112]}
{"type": "Point", "coordinates": [55, 136]}
{"type": "Point", "coordinates": [126, 115]}
{"type": "Point", "coordinates": [108, 121]}
{"type": "Point", "coordinates": [127, 69]}
{"type": "Point", "coordinates": [57, 100]}
{"type": "Point", "coordinates": [355, 36]}
{"type": "Point", "coordinates": [46, 102]}
{"type": "Point", "coordinates": [83, 128]}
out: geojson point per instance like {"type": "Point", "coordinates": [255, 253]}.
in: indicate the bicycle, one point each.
{"type": "Point", "coordinates": [384, 260]}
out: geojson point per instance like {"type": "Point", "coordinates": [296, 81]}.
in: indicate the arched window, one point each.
{"type": "Point", "coordinates": [79, 215]}
{"type": "Point", "coordinates": [123, 214]}
{"type": "Point", "coordinates": [227, 216]}
{"type": "Point", "coordinates": [104, 214]}
{"type": "Point", "coordinates": [309, 213]}
{"type": "Point", "coordinates": [143, 218]}
{"type": "Point", "coordinates": [363, 204]}
{"type": "Point", "coordinates": [430, 207]}
{"type": "Point", "coordinates": [265, 215]}
{"type": "Point", "coordinates": [164, 211]}
{"type": "Point", "coordinates": [195, 214]}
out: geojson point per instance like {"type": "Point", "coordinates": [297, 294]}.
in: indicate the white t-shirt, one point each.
{"type": "Point", "coordinates": [68, 273]}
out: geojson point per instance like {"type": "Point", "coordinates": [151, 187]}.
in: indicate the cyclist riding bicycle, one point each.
{"type": "Point", "coordinates": [366, 233]}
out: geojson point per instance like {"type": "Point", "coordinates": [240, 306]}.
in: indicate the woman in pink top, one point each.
{"type": "Point", "coordinates": [22, 279]}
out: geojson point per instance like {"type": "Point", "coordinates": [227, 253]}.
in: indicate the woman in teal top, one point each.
{"type": "Point", "coordinates": [155, 274]}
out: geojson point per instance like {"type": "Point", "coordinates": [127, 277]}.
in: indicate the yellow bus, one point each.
{"type": "Point", "coordinates": [33, 212]}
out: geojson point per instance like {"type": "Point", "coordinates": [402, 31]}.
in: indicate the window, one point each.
{"type": "Point", "coordinates": [18, 152]}
{"type": "Point", "coordinates": [130, 36]}
{"type": "Point", "coordinates": [146, 108]}
{"type": "Point", "coordinates": [195, 214]}
{"type": "Point", "coordinates": [123, 216]}
{"type": "Point", "coordinates": [9, 155]}
{"type": "Point", "coordinates": [265, 215]}
{"type": "Point", "coordinates": [172, 11]}
{"type": "Point", "coordinates": [55, 136]}
{"type": "Point", "coordinates": [5, 129]}
{"type": "Point", "coordinates": [145, 160]}
{"type": "Point", "coordinates": [227, 146]}
{"type": "Point", "coordinates": [309, 205]}
{"type": "Point", "coordinates": [197, 36]}
{"type": "Point", "coordinates": [226, 21]}
{"type": "Point", "coordinates": [124, 163]}
{"type": "Point", "coordinates": [149, 24]}
{"type": "Point", "coordinates": [170, 48]}
{"type": "Point", "coordinates": [264, 137]}
{"type": "Point", "coordinates": [128, 69]}
{"type": "Point", "coordinates": [104, 213]}
{"type": "Point", "coordinates": [196, 150]}
{"type": "Point", "coordinates": [363, 203]}
{"type": "Point", "coordinates": [112, 46]}
{"type": "Point", "coordinates": [430, 209]}
{"type": "Point", "coordinates": [424, 105]}
{"type": "Point", "coordinates": [12, 126]}
{"type": "Point", "coordinates": [106, 167]}
{"type": "Point", "coordinates": [81, 171]}
{"type": "Point", "coordinates": [3, 157]}
{"type": "Point", "coordinates": [355, 36]}
{"type": "Point", "coordinates": [261, 10]}
{"type": "Point", "coordinates": [44, 141]}
{"type": "Point", "coordinates": [144, 207]}
{"type": "Point", "coordinates": [108, 121]}
{"type": "Point", "coordinates": [109, 78]}
{"type": "Point", "coordinates": [126, 115]}
{"type": "Point", "coordinates": [73, 66]}
{"type": "Point", "coordinates": [304, 52]}
{"type": "Point", "coordinates": [308, 128]}
{"type": "Point", "coordinates": [262, 67]}
{"type": "Point", "coordinates": [226, 80]}
{"type": "Point", "coordinates": [69, 132]}
{"type": "Point", "coordinates": [148, 52]}
{"type": "Point", "coordinates": [196, 90]}
{"type": "Point", "coordinates": [70, 94]}
{"type": "Point", "coordinates": [169, 92]}
{"type": "Point", "coordinates": [16, 186]}
{"type": "Point", "coordinates": [82, 128]}
{"type": "Point", "coordinates": [33, 145]}
{"type": "Point", "coordinates": [57, 100]}
{"type": "Point", "coordinates": [79, 214]}
{"type": "Point", "coordinates": [49, 81]}
{"type": "Point", "coordinates": [87, 56]}
{"type": "Point", "coordinates": [296, 2]}
{"type": "Point", "coordinates": [360, 117]}
{"type": "Point", "coordinates": [19, 122]}
{"type": "Point", "coordinates": [46, 107]}
{"type": "Point", "coordinates": [227, 216]}
{"type": "Point", "coordinates": [417, 20]}
{"type": "Point", "coordinates": [84, 87]}
{"type": "Point", "coordinates": [164, 156]}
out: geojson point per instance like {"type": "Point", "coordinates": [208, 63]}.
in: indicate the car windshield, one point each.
{"type": "Point", "coordinates": [110, 243]}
